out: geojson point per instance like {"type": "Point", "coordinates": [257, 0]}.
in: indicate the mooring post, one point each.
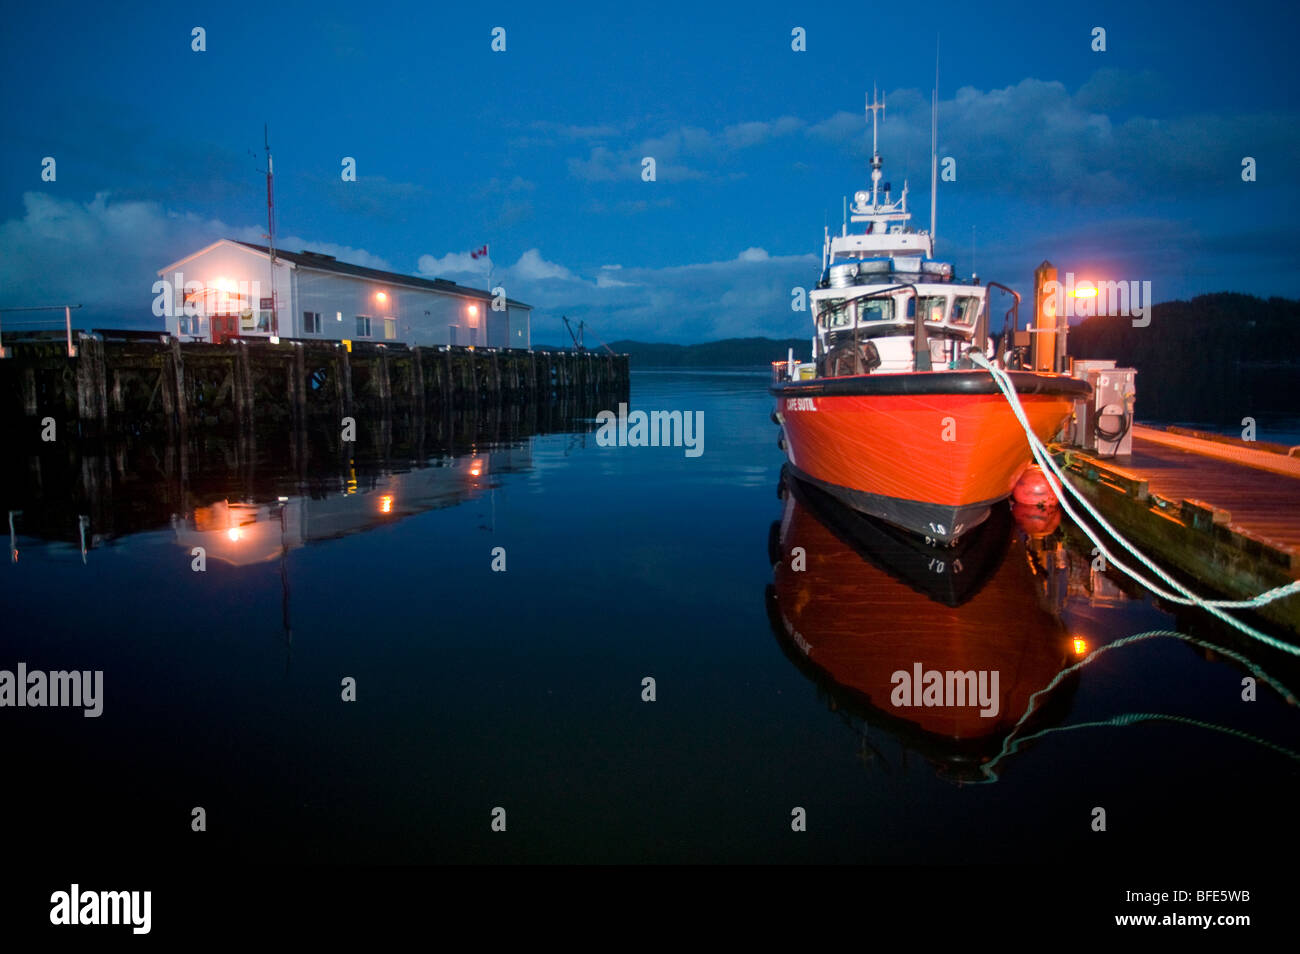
{"type": "Point", "coordinates": [300, 384]}
{"type": "Point", "coordinates": [29, 392]}
{"type": "Point", "coordinates": [92, 390]}
{"type": "Point", "coordinates": [182, 393]}
{"type": "Point", "coordinates": [385, 384]}
{"type": "Point", "coordinates": [345, 379]}
{"type": "Point", "coordinates": [417, 379]}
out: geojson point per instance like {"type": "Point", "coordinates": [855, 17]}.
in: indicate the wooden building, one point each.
{"type": "Point", "coordinates": [225, 291]}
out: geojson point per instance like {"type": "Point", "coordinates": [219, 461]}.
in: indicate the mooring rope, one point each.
{"type": "Point", "coordinates": [1010, 745]}
{"type": "Point", "coordinates": [1056, 479]}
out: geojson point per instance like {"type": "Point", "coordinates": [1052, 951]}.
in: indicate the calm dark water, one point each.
{"type": "Point", "coordinates": [522, 689]}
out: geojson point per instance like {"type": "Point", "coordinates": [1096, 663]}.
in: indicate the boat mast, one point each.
{"type": "Point", "coordinates": [873, 108]}
{"type": "Point", "coordinates": [934, 144]}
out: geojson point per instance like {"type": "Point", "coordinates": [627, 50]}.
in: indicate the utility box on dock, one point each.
{"type": "Point", "coordinates": [1104, 422]}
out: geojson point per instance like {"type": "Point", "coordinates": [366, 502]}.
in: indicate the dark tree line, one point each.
{"type": "Point", "coordinates": [1214, 359]}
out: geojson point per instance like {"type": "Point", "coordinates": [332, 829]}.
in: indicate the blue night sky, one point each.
{"type": "Point", "coordinates": [1123, 165]}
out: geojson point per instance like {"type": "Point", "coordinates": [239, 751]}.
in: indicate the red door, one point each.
{"type": "Point", "coordinates": [223, 327]}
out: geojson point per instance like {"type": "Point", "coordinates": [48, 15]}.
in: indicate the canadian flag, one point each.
{"type": "Point", "coordinates": [480, 252]}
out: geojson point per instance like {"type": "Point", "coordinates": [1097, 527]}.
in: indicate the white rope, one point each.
{"type": "Point", "coordinates": [1056, 479]}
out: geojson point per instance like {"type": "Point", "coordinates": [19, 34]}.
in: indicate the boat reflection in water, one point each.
{"type": "Point", "coordinates": [873, 607]}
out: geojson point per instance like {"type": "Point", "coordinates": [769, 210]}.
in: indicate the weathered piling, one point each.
{"type": "Point", "coordinates": [131, 383]}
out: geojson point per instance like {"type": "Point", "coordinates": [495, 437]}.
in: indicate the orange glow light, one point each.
{"type": "Point", "coordinates": [386, 503]}
{"type": "Point", "coordinates": [382, 296]}
{"type": "Point", "coordinates": [476, 468]}
{"type": "Point", "coordinates": [1088, 292]}
{"type": "Point", "coordinates": [1080, 646]}
{"type": "Point", "coordinates": [473, 309]}
{"type": "Point", "coordinates": [234, 533]}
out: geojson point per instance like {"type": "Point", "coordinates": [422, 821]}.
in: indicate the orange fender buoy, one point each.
{"type": "Point", "coordinates": [1036, 521]}
{"type": "Point", "coordinates": [1033, 490]}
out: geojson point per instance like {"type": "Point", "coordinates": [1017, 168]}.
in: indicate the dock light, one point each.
{"type": "Point", "coordinates": [386, 503]}
{"type": "Point", "coordinates": [476, 468]}
{"type": "Point", "coordinates": [234, 533]}
{"type": "Point", "coordinates": [1080, 646]}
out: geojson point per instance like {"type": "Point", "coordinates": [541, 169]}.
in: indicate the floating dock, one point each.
{"type": "Point", "coordinates": [1218, 510]}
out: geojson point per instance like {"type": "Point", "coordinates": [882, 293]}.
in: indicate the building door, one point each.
{"type": "Point", "coordinates": [224, 327]}
{"type": "Point", "coordinates": [451, 334]}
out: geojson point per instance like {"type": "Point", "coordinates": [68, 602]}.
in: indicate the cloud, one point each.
{"type": "Point", "coordinates": [532, 267]}
{"type": "Point", "coordinates": [497, 186]}
{"type": "Point", "coordinates": [105, 253]}
{"type": "Point", "coordinates": [681, 154]}
{"type": "Point", "coordinates": [453, 263]}
{"type": "Point", "coordinates": [746, 295]}
{"type": "Point", "coordinates": [371, 195]}
{"type": "Point", "coordinates": [1035, 140]}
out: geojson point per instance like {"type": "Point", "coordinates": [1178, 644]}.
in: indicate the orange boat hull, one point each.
{"type": "Point", "coordinates": [930, 452]}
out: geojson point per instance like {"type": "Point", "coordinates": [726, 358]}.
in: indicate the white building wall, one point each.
{"type": "Point", "coordinates": [423, 317]}
{"type": "Point", "coordinates": [521, 333]}
{"type": "Point", "coordinates": [245, 271]}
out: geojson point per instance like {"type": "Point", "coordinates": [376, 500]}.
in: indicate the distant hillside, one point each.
{"type": "Point", "coordinates": [1217, 358]}
{"type": "Point", "coordinates": [727, 353]}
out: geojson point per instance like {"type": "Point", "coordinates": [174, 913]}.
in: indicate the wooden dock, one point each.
{"type": "Point", "coordinates": [123, 383]}
{"type": "Point", "coordinates": [1223, 512]}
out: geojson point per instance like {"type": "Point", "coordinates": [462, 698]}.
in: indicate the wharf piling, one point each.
{"type": "Point", "coordinates": [122, 383]}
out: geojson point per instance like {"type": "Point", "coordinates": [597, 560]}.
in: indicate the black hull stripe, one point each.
{"type": "Point", "coordinates": [915, 516]}
{"type": "Point", "coordinates": [932, 382]}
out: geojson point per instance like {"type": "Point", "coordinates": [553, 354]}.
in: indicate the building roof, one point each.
{"type": "Point", "coordinates": [328, 263]}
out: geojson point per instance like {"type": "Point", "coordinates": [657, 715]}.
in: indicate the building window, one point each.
{"type": "Point", "coordinates": [390, 328]}
{"type": "Point", "coordinates": [363, 326]}
{"type": "Point", "coordinates": [255, 321]}
{"type": "Point", "coordinates": [311, 322]}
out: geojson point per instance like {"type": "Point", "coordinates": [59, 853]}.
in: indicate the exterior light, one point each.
{"type": "Point", "coordinates": [234, 533]}
{"type": "Point", "coordinates": [1080, 646]}
{"type": "Point", "coordinates": [386, 503]}
{"type": "Point", "coordinates": [1088, 292]}
{"type": "Point", "coordinates": [382, 296]}
{"type": "Point", "coordinates": [473, 310]}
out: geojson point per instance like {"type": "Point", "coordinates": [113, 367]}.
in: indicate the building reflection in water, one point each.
{"type": "Point", "coordinates": [242, 533]}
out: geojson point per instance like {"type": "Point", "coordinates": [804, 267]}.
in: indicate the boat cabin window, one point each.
{"type": "Point", "coordinates": [965, 309]}
{"type": "Point", "coordinates": [834, 314]}
{"type": "Point", "coordinates": [933, 307]}
{"type": "Point", "coordinates": [875, 309]}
